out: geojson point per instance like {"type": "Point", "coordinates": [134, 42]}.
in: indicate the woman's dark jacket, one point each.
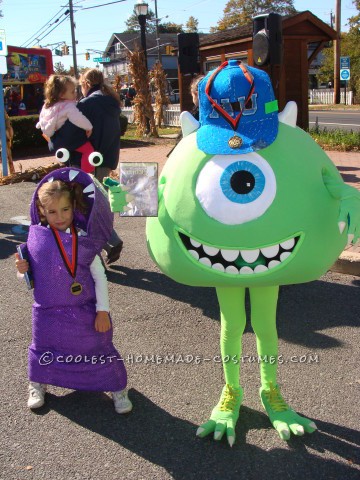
{"type": "Point", "coordinates": [103, 111]}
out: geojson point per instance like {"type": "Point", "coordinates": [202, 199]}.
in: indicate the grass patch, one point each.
{"type": "Point", "coordinates": [131, 132]}
{"type": "Point", "coordinates": [336, 139]}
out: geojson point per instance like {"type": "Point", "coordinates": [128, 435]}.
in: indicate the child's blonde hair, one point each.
{"type": "Point", "coordinates": [56, 189]}
{"type": "Point", "coordinates": [55, 86]}
{"type": "Point", "coordinates": [94, 78]}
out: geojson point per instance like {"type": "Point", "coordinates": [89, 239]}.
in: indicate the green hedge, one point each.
{"type": "Point", "coordinates": [27, 135]}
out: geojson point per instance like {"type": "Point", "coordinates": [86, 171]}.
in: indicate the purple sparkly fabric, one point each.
{"type": "Point", "coordinates": [66, 349]}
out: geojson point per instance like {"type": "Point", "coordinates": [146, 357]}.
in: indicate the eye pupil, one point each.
{"type": "Point", "coordinates": [242, 182]}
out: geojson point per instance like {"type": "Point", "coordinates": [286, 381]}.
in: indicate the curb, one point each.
{"type": "Point", "coordinates": [348, 263]}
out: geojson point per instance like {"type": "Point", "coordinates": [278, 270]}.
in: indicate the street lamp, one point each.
{"type": "Point", "coordinates": [141, 10]}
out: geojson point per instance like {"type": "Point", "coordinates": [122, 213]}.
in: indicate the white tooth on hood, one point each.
{"type": "Point", "coordinates": [212, 251]}
{"type": "Point", "coordinates": [72, 175]}
{"type": "Point", "coordinates": [270, 252]}
{"type": "Point", "coordinates": [194, 243]}
{"type": "Point", "coordinates": [89, 188]}
{"type": "Point", "coordinates": [230, 255]}
{"type": "Point", "coordinates": [288, 244]}
{"type": "Point", "coordinates": [246, 270]}
{"type": "Point", "coordinates": [51, 179]}
{"type": "Point", "coordinates": [250, 256]}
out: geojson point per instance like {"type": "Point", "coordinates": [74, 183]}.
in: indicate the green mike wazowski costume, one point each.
{"type": "Point", "coordinates": [249, 200]}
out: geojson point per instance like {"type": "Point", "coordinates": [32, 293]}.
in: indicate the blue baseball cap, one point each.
{"type": "Point", "coordinates": [238, 110]}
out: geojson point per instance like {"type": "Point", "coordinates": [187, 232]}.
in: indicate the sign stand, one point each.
{"type": "Point", "coordinates": [3, 70]}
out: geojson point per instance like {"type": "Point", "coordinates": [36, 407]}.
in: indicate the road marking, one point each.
{"type": "Point", "coordinates": [340, 124]}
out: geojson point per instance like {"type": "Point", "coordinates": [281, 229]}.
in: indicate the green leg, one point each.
{"type": "Point", "coordinates": [263, 321]}
{"type": "Point", "coordinates": [233, 319]}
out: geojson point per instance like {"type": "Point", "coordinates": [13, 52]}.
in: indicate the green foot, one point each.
{"type": "Point", "coordinates": [282, 417]}
{"type": "Point", "coordinates": [224, 416]}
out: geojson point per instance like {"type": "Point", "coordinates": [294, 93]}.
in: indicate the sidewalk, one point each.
{"type": "Point", "coordinates": [348, 164]}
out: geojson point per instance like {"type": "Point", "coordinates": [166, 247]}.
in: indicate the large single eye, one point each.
{"type": "Point", "coordinates": [95, 159]}
{"type": "Point", "coordinates": [62, 155]}
{"type": "Point", "coordinates": [235, 189]}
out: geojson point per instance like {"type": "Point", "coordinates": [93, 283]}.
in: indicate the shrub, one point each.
{"type": "Point", "coordinates": [123, 124]}
{"type": "Point", "coordinates": [25, 132]}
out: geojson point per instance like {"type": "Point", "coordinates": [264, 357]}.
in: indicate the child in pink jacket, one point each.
{"type": "Point", "coordinates": [60, 105]}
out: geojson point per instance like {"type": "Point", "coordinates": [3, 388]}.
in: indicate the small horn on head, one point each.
{"type": "Point", "coordinates": [188, 123]}
{"type": "Point", "coordinates": [289, 114]}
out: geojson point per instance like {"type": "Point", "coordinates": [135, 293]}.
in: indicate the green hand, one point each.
{"type": "Point", "coordinates": [282, 417]}
{"type": "Point", "coordinates": [224, 416]}
{"type": "Point", "coordinates": [117, 194]}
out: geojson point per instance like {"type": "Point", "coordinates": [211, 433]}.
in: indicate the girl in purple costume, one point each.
{"type": "Point", "coordinates": [72, 330]}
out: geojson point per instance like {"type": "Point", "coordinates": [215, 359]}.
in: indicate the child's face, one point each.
{"type": "Point", "coordinates": [59, 212]}
{"type": "Point", "coordinates": [70, 92]}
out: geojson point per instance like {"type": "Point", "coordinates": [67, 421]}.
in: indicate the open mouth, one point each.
{"type": "Point", "coordinates": [240, 261]}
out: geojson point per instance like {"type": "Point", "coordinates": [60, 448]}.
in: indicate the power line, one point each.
{"type": "Point", "coordinates": [33, 37]}
{"type": "Point", "coordinates": [102, 5]}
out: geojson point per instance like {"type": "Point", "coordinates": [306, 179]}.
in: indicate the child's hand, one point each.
{"type": "Point", "coordinates": [21, 265]}
{"type": "Point", "coordinates": [102, 322]}
{"type": "Point", "coordinates": [88, 133]}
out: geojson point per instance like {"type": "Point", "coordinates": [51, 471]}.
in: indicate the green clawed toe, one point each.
{"type": "Point", "coordinates": [283, 418]}
{"type": "Point", "coordinates": [224, 416]}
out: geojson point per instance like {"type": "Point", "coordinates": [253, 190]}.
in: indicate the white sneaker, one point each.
{"type": "Point", "coordinates": [36, 395]}
{"type": "Point", "coordinates": [122, 402]}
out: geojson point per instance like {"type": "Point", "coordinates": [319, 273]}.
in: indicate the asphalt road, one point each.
{"type": "Point", "coordinates": [78, 435]}
{"type": "Point", "coordinates": [336, 119]}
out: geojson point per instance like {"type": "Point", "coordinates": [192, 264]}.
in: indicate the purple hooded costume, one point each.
{"type": "Point", "coordinates": [66, 350]}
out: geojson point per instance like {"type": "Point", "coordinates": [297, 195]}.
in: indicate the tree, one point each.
{"type": "Point", "coordinates": [59, 69]}
{"type": "Point", "coordinates": [350, 46]}
{"type": "Point", "coordinates": [192, 25]}
{"type": "Point", "coordinates": [132, 23]}
{"type": "Point", "coordinates": [170, 27]}
{"type": "Point", "coordinates": [241, 12]}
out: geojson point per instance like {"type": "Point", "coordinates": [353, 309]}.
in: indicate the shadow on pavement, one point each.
{"type": "Point", "coordinates": [170, 442]}
{"type": "Point", "coordinates": [303, 310]}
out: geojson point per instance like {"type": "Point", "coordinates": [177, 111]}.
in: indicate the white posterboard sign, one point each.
{"type": "Point", "coordinates": [3, 65]}
{"type": "Point", "coordinates": [3, 46]}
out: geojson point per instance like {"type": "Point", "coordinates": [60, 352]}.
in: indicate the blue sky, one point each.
{"type": "Point", "coordinates": [94, 27]}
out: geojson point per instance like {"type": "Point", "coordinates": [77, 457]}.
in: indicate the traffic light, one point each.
{"type": "Point", "coordinates": [87, 56]}
{"type": "Point", "coordinates": [267, 40]}
{"type": "Point", "coordinates": [65, 49]}
{"type": "Point", "coordinates": [169, 49]}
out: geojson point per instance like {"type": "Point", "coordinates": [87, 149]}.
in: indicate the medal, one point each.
{"type": "Point", "coordinates": [235, 142]}
{"type": "Point", "coordinates": [71, 267]}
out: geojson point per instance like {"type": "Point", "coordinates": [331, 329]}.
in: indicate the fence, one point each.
{"type": "Point", "coordinates": [171, 115]}
{"type": "Point", "coordinates": [326, 97]}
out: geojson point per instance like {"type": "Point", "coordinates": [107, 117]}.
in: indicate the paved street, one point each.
{"type": "Point", "coordinates": [335, 119]}
{"type": "Point", "coordinates": [78, 435]}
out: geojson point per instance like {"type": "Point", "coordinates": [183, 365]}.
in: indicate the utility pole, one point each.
{"type": "Point", "coordinates": [337, 46]}
{"type": "Point", "coordinates": [157, 31]}
{"type": "Point", "coordinates": [72, 26]}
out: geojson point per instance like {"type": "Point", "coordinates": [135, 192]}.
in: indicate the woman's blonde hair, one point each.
{"type": "Point", "coordinates": [94, 78]}
{"type": "Point", "coordinates": [56, 189]}
{"type": "Point", "coordinates": [55, 86]}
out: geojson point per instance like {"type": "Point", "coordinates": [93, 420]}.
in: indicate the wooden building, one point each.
{"type": "Point", "coordinates": [290, 80]}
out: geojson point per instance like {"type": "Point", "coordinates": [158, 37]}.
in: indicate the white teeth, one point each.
{"type": "Point", "coordinates": [230, 255]}
{"type": "Point", "coordinates": [89, 188]}
{"type": "Point", "coordinates": [51, 179]}
{"type": "Point", "coordinates": [260, 268]}
{"type": "Point", "coordinates": [218, 266]}
{"type": "Point", "coordinates": [273, 263]}
{"type": "Point", "coordinates": [284, 256]}
{"type": "Point", "coordinates": [205, 261]}
{"type": "Point", "coordinates": [194, 243]}
{"type": "Point", "coordinates": [212, 251]}
{"type": "Point", "coordinates": [246, 270]}
{"type": "Point", "coordinates": [231, 269]}
{"type": "Point", "coordinates": [72, 175]}
{"type": "Point", "coordinates": [270, 252]}
{"type": "Point", "coordinates": [92, 195]}
{"type": "Point", "coordinates": [250, 256]}
{"type": "Point", "coordinates": [194, 253]}
{"type": "Point", "coordinates": [288, 244]}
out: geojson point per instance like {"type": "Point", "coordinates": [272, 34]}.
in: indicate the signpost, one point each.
{"type": "Point", "coordinates": [3, 70]}
{"type": "Point", "coordinates": [102, 59]}
{"type": "Point", "coordinates": [345, 72]}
